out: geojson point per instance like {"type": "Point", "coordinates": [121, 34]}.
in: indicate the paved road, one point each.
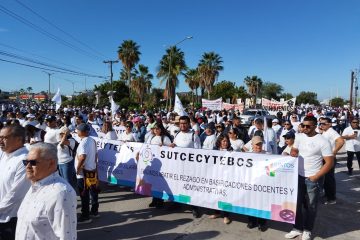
{"type": "Point", "coordinates": [125, 215]}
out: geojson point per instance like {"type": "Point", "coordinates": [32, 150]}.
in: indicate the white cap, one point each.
{"type": "Point", "coordinates": [275, 120]}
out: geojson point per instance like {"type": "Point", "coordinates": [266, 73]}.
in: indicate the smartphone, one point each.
{"type": "Point", "coordinates": [356, 133]}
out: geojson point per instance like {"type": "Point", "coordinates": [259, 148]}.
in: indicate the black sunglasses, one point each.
{"type": "Point", "coordinates": [32, 162]}
{"type": "Point", "coordinates": [307, 126]}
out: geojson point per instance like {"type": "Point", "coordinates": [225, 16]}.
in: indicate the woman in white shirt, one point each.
{"type": "Point", "coordinates": [65, 151]}
{"type": "Point", "coordinates": [110, 134]}
{"type": "Point", "coordinates": [236, 143]}
{"type": "Point", "coordinates": [127, 135]}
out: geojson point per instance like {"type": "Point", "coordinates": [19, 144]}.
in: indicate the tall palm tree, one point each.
{"type": "Point", "coordinates": [141, 83]}
{"type": "Point", "coordinates": [129, 56]}
{"type": "Point", "coordinates": [193, 81]}
{"type": "Point", "coordinates": [171, 65]}
{"type": "Point", "coordinates": [209, 67]}
{"type": "Point", "coordinates": [253, 84]}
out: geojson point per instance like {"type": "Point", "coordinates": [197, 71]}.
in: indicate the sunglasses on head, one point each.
{"type": "Point", "coordinates": [32, 162]}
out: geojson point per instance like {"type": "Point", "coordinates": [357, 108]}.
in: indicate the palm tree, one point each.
{"type": "Point", "coordinates": [129, 56]}
{"type": "Point", "coordinates": [192, 79]}
{"type": "Point", "coordinates": [209, 67]}
{"type": "Point", "coordinates": [141, 83]}
{"type": "Point", "coordinates": [170, 67]}
{"type": "Point", "coordinates": [253, 84]}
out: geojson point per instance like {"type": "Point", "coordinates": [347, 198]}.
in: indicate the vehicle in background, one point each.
{"type": "Point", "coordinates": [250, 114]}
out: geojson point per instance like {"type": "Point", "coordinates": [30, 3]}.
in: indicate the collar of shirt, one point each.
{"type": "Point", "coordinates": [16, 152]}
{"type": "Point", "coordinates": [45, 181]}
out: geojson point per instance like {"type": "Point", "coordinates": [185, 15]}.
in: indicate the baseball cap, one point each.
{"type": "Point", "coordinates": [275, 120]}
{"type": "Point", "coordinates": [136, 119]}
{"type": "Point", "coordinates": [289, 135]}
{"type": "Point", "coordinates": [50, 118]}
{"type": "Point", "coordinates": [83, 127]}
{"type": "Point", "coordinates": [256, 140]}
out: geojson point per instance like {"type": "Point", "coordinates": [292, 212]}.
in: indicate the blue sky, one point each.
{"type": "Point", "coordinates": [302, 45]}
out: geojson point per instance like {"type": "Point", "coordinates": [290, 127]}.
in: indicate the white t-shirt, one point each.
{"type": "Point", "coordinates": [237, 144]}
{"type": "Point", "coordinates": [173, 129]}
{"type": "Point", "coordinates": [311, 153]}
{"type": "Point", "coordinates": [196, 128]}
{"type": "Point", "coordinates": [64, 154]}
{"type": "Point", "coordinates": [209, 142]}
{"type": "Point", "coordinates": [331, 135]}
{"type": "Point", "coordinates": [51, 135]}
{"type": "Point", "coordinates": [111, 135]}
{"type": "Point", "coordinates": [87, 146]}
{"type": "Point", "coordinates": [187, 140]}
{"type": "Point", "coordinates": [352, 145]}
{"type": "Point", "coordinates": [157, 140]}
{"type": "Point", "coordinates": [127, 137]}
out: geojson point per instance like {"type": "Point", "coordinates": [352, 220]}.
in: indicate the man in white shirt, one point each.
{"type": "Point", "coordinates": [51, 130]}
{"type": "Point", "coordinates": [187, 139]}
{"type": "Point", "coordinates": [13, 183]}
{"type": "Point", "coordinates": [336, 143]}
{"type": "Point", "coordinates": [311, 149]}
{"type": "Point", "coordinates": [351, 135]}
{"type": "Point", "coordinates": [86, 161]}
{"type": "Point", "coordinates": [48, 210]}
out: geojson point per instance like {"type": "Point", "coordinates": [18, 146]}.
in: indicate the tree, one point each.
{"type": "Point", "coordinates": [242, 93]}
{"type": "Point", "coordinates": [254, 85]}
{"type": "Point", "coordinates": [209, 67]}
{"type": "Point", "coordinates": [171, 65]}
{"type": "Point", "coordinates": [271, 90]}
{"type": "Point", "coordinates": [29, 89]}
{"type": "Point", "coordinates": [307, 97]}
{"type": "Point", "coordinates": [286, 96]}
{"type": "Point", "coordinates": [154, 99]}
{"type": "Point", "coordinates": [122, 92]}
{"type": "Point", "coordinates": [337, 102]}
{"type": "Point", "coordinates": [141, 84]}
{"type": "Point", "coordinates": [193, 81]}
{"type": "Point", "coordinates": [224, 89]}
{"type": "Point", "coordinates": [129, 54]}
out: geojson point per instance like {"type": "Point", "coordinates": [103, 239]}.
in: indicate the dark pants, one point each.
{"type": "Point", "coordinates": [256, 221]}
{"type": "Point", "coordinates": [7, 230]}
{"type": "Point", "coordinates": [222, 213]}
{"type": "Point", "coordinates": [85, 199]}
{"type": "Point", "coordinates": [350, 158]}
{"type": "Point", "coordinates": [306, 209]}
{"type": "Point", "coordinates": [330, 184]}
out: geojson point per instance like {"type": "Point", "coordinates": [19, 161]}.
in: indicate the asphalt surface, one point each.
{"type": "Point", "coordinates": [126, 215]}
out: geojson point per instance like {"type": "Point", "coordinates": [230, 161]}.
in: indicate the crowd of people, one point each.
{"type": "Point", "coordinates": [40, 156]}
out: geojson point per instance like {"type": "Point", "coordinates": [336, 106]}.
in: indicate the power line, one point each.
{"type": "Point", "coordinates": [58, 28]}
{"type": "Point", "coordinates": [46, 33]}
{"type": "Point", "coordinates": [49, 69]}
{"type": "Point", "coordinates": [37, 55]}
{"type": "Point", "coordinates": [7, 54]}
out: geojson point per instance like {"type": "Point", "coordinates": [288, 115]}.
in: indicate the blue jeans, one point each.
{"type": "Point", "coordinates": [85, 199]}
{"type": "Point", "coordinates": [306, 209]}
{"type": "Point", "coordinates": [67, 171]}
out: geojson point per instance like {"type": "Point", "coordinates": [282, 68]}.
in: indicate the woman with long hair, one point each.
{"type": "Point", "coordinates": [108, 130]}
{"type": "Point", "coordinates": [236, 143]}
{"type": "Point", "coordinates": [222, 144]}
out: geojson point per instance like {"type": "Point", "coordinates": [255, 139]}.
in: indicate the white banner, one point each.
{"type": "Point", "coordinates": [119, 130]}
{"type": "Point", "coordinates": [98, 131]}
{"type": "Point", "coordinates": [212, 104]}
{"type": "Point", "coordinates": [116, 161]}
{"type": "Point", "coordinates": [273, 106]}
{"type": "Point", "coordinates": [258, 185]}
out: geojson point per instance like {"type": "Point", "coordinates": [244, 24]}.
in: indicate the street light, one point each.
{"type": "Point", "coordinates": [167, 83]}
{"type": "Point", "coordinates": [49, 100]}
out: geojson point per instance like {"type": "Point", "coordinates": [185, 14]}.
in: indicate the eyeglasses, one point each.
{"type": "Point", "coordinates": [32, 162]}
{"type": "Point", "coordinates": [307, 126]}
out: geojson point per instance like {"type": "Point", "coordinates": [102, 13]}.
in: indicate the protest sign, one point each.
{"type": "Point", "coordinates": [212, 104]}
{"type": "Point", "coordinates": [273, 106]}
{"type": "Point", "coordinates": [259, 185]}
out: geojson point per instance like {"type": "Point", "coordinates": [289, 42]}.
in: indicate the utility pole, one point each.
{"type": "Point", "coordinates": [49, 74]}
{"type": "Point", "coordinates": [111, 62]}
{"type": "Point", "coordinates": [351, 89]}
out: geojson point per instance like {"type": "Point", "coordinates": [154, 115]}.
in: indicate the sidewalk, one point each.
{"type": "Point", "coordinates": [125, 215]}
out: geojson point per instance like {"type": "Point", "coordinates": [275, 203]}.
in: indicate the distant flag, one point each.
{"type": "Point", "coordinates": [178, 107]}
{"type": "Point", "coordinates": [57, 99]}
{"type": "Point", "coordinates": [114, 106]}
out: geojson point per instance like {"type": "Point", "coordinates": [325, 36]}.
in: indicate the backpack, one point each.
{"type": "Point", "coordinates": [72, 152]}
